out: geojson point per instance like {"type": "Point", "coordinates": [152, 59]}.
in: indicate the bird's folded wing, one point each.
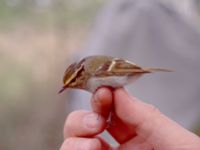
{"type": "Point", "coordinates": [118, 67]}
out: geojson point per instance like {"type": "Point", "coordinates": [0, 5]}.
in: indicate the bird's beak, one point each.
{"type": "Point", "coordinates": [62, 89]}
{"type": "Point", "coordinates": [66, 82]}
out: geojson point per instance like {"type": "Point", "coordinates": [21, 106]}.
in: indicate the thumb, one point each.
{"type": "Point", "coordinates": [149, 122]}
{"type": "Point", "coordinates": [133, 111]}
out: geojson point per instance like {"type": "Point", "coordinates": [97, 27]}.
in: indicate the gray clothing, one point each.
{"type": "Point", "coordinates": [152, 34]}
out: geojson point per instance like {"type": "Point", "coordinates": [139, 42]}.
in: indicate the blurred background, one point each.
{"type": "Point", "coordinates": [38, 39]}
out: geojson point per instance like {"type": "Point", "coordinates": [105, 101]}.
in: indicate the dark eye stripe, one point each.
{"type": "Point", "coordinates": [72, 72]}
{"type": "Point", "coordinates": [77, 73]}
{"type": "Point", "coordinates": [68, 72]}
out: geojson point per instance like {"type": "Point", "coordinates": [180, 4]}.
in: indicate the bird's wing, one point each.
{"type": "Point", "coordinates": [118, 67]}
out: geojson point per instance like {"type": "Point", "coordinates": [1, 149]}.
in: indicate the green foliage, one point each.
{"type": "Point", "coordinates": [72, 12]}
{"type": "Point", "coordinates": [31, 112]}
{"type": "Point", "coordinates": [13, 79]}
{"type": "Point", "coordinates": [12, 14]}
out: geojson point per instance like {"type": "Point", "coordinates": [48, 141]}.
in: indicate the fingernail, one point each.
{"type": "Point", "coordinates": [91, 120]}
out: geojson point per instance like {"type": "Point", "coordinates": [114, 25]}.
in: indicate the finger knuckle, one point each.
{"type": "Point", "coordinates": [71, 118]}
{"type": "Point", "coordinates": [69, 123]}
{"type": "Point", "coordinates": [72, 115]}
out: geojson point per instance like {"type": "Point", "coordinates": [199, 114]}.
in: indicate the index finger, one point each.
{"type": "Point", "coordinates": [102, 101]}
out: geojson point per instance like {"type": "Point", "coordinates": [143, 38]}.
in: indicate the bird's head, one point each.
{"type": "Point", "coordinates": [71, 75]}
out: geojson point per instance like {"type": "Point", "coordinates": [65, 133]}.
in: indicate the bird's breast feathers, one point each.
{"type": "Point", "coordinates": [112, 81]}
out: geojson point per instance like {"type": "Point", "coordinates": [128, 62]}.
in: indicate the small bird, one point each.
{"type": "Point", "coordinates": [92, 72]}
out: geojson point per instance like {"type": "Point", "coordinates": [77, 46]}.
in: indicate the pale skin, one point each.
{"type": "Point", "coordinates": [135, 126]}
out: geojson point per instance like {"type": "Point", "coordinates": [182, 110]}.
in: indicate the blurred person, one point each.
{"type": "Point", "coordinates": [151, 33]}
{"type": "Point", "coordinates": [135, 125]}
{"type": "Point", "coordinates": [188, 8]}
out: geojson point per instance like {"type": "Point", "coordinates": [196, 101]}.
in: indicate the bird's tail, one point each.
{"type": "Point", "coordinates": [151, 70]}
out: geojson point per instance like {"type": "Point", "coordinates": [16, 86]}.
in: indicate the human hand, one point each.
{"type": "Point", "coordinates": [135, 125]}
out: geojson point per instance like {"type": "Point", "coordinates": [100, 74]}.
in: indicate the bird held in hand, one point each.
{"type": "Point", "coordinates": [93, 72]}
